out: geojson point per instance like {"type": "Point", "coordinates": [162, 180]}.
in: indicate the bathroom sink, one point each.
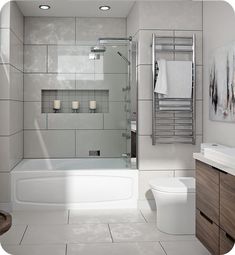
{"type": "Point", "coordinates": [224, 156]}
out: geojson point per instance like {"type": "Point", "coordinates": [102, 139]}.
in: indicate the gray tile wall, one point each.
{"type": "Point", "coordinates": [56, 54]}
{"type": "Point", "coordinates": [165, 19]}
{"type": "Point", "coordinates": [11, 95]}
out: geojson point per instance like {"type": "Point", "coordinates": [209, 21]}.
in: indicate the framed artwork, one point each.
{"type": "Point", "coordinates": [222, 84]}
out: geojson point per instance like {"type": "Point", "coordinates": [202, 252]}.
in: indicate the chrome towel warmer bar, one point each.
{"type": "Point", "coordinates": [173, 119]}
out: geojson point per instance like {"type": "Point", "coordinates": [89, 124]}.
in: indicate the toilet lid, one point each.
{"type": "Point", "coordinates": [176, 185]}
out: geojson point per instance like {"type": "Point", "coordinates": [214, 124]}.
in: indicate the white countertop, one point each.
{"type": "Point", "coordinates": [201, 157]}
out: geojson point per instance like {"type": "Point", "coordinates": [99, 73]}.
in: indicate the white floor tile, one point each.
{"type": "Point", "coordinates": [184, 248]}
{"type": "Point", "coordinates": [149, 215]}
{"type": "Point", "coordinates": [14, 235]}
{"type": "Point", "coordinates": [35, 249]}
{"type": "Point", "coordinates": [105, 216]}
{"type": "Point", "coordinates": [148, 248]}
{"type": "Point", "coordinates": [61, 234]}
{"type": "Point", "coordinates": [39, 217]}
{"type": "Point", "coordinates": [142, 232]}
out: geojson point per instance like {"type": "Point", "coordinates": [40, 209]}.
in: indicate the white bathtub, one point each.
{"type": "Point", "coordinates": [74, 184]}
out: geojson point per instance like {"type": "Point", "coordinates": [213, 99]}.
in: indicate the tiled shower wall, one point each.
{"type": "Point", "coordinates": [164, 18]}
{"type": "Point", "coordinates": [56, 54]}
{"type": "Point", "coordinates": [11, 96]}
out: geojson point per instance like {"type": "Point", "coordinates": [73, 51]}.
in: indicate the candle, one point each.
{"type": "Point", "coordinates": [57, 104]}
{"type": "Point", "coordinates": [75, 105]}
{"type": "Point", "coordinates": [92, 105]}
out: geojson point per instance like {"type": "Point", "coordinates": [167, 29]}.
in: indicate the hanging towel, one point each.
{"type": "Point", "coordinates": [179, 79]}
{"type": "Point", "coordinates": [161, 82]}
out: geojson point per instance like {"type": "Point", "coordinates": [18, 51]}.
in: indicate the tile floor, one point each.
{"type": "Point", "coordinates": [106, 232]}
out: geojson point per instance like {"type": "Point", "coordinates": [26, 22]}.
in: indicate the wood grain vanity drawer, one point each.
{"type": "Point", "coordinates": [207, 232]}
{"type": "Point", "coordinates": [226, 242]}
{"type": "Point", "coordinates": [227, 203]}
{"type": "Point", "coordinates": [207, 191]}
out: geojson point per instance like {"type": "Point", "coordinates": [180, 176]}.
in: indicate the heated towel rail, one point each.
{"type": "Point", "coordinates": [173, 119]}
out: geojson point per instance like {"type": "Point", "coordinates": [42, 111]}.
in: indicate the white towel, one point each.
{"type": "Point", "coordinates": [179, 79]}
{"type": "Point", "coordinates": [161, 82]}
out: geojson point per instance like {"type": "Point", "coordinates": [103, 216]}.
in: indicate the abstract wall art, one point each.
{"type": "Point", "coordinates": [222, 84]}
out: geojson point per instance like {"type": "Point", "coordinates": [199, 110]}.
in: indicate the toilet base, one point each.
{"type": "Point", "coordinates": [175, 212]}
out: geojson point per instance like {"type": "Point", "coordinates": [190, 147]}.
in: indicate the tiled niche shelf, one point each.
{"type": "Point", "coordinates": [83, 96]}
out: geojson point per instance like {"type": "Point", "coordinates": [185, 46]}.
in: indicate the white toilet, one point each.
{"type": "Point", "coordinates": [175, 202]}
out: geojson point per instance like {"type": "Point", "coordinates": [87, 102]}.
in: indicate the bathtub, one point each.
{"type": "Point", "coordinates": [73, 184]}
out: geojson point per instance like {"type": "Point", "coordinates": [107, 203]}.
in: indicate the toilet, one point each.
{"type": "Point", "coordinates": [175, 202]}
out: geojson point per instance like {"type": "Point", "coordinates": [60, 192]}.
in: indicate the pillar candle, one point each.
{"type": "Point", "coordinates": [57, 104]}
{"type": "Point", "coordinates": [92, 105]}
{"type": "Point", "coordinates": [75, 105]}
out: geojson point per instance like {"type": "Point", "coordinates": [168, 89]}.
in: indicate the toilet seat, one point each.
{"type": "Point", "coordinates": [174, 184]}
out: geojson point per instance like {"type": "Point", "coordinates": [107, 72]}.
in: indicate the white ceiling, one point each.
{"type": "Point", "coordinates": [68, 8]}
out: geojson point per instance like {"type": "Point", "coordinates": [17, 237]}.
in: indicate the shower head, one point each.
{"type": "Point", "coordinates": [98, 49]}
{"type": "Point", "coordinates": [123, 57]}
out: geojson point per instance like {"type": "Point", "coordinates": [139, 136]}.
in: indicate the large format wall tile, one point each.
{"type": "Point", "coordinates": [166, 156]}
{"type": "Point", "coordinates": [49, 30]}
{"type": "Point", "coordinates": [16, 148]}
{"type": "Point", "coordinates": [5, 15]}
{"type": "Point", "coordinates": [35, 59]}
{"type": "Point", "coordinates": [33, 117]}
{"type": "Point", "coordinates": [5, 45]}
{"type": "Point", "coordinates": [4, 153]}
{"type": "Point", "coordinates": [116, 118]}
{"type": "Point", "coordinates": [49, 143]}
{"type": "Point", "coordinates": [17, 20]}
{"type": "Point", "coordinates": [16, 52]}
{"type": "Point", "coordinates": [145, 117]}
{"type": "Point", "coordinates": [110, 143]}
{"type": "Point", "coordinates": [11, 85]}
{"type": "Point", "coordinates": [5, 187]}
{"type": "Point", "coordinates": [90, 29]}
{"type": "Point", "coordinates": [185, 15]}
{"type": "Point", "coordinates": [12, 18]}
{"type": "Point", "coordinates": [145, 82]}
{"type": "Point", "coordinates": [75, 121]}
{"type": "Point", "coordinates": [112, 82]}
{"type": "Point", "coordinates": [70, 59]}
{"type": "Point", "coordinates": [11, 151]}
{"type": "Point", "coordinates": [11, 120]}
{"type": "Point", "coordinates": [16, 116]}
{"type": "Point", "coordinates": [34, 83]}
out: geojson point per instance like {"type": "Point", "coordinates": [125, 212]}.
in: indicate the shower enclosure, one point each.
{"type": "Point", "coordinates": [101, 175]}
{"type": "Point", "coordinates": [114, 57]}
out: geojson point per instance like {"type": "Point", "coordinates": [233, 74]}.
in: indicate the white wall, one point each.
{"type": "Point", "coordinates": [180, 18]}
{"type": "Point", "coordinates": [11, 96]}
{"type": "Point", "coordinates": [218, 30]}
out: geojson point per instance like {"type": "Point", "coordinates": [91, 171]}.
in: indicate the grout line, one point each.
{"type": "Point", "coordinates": [143, 216]}
{"type": "Point", "coordinates": [68, 216]}
{"type": "Point", "coordinates": [23, 235]}
{"type": "Point", "coordinates": [110, 233]}
{"type": "Point", "coordinates": [66, 249]}
{"type": "Point", "coordinates": [162, 247]}
{"type": "Point", "coordinates": [18, 132]}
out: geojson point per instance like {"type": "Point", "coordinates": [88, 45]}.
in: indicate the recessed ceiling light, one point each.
{"type": "Point", "coordinates": [44, 7]}
{"type": "Point", "coordinates": [104, 8]}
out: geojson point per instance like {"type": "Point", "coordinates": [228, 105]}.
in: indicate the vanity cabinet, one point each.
{"type": "Point", "coordinates": [215, 203]}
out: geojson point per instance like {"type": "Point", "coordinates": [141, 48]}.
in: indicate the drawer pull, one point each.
{"type": "Point", "coordinates": [230, 238]}
{"type": "Point", "coordinates": [205, 217]}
